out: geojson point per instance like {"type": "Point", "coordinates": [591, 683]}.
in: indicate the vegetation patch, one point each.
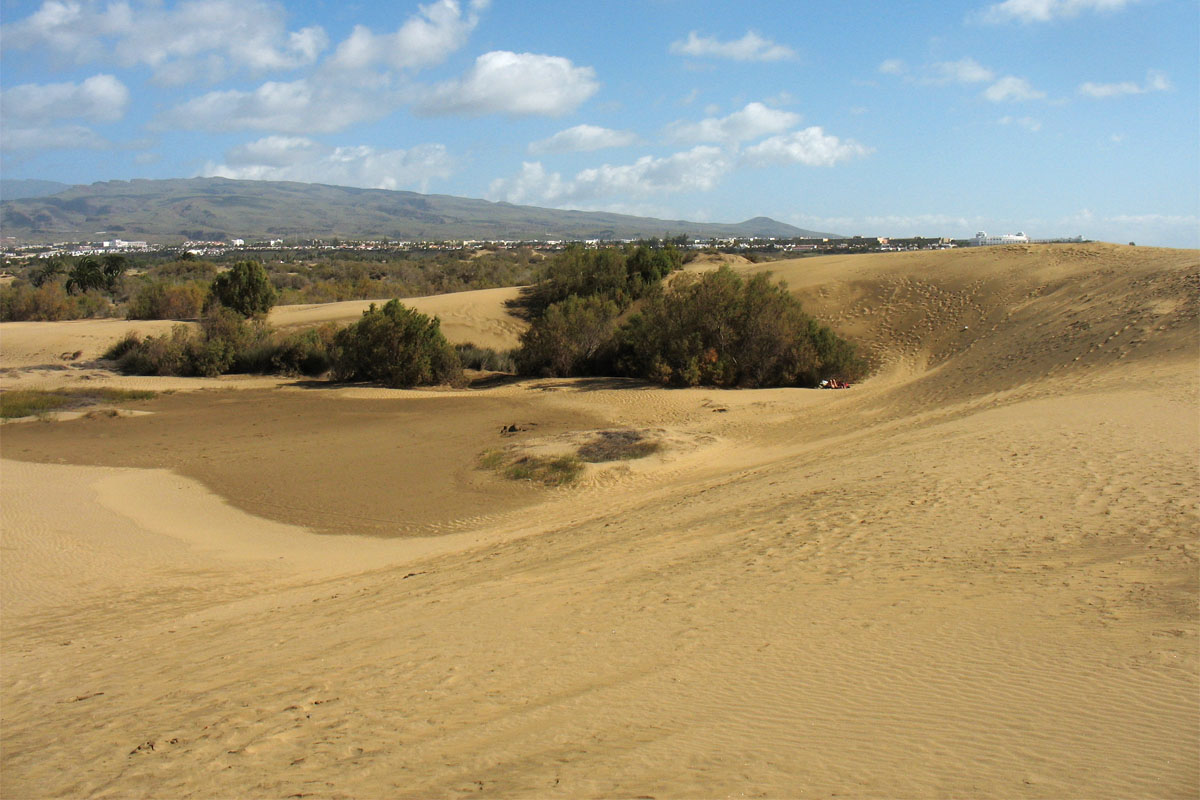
{"type": "Point", "coordinates": [485, 358]}
{"type": "Point", "coordinates": [16, 403]}
{"type": "Point", "coordinates": [622, 445]}
{"type": "Point", "coordinates": [555, 470]}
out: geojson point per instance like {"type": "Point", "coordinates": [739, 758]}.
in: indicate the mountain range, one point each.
{"type": "Point", "coordinates": [172, 210]}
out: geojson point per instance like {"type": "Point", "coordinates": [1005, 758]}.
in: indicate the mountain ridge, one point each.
{"type": "Point", "coordinates": [174, 209]}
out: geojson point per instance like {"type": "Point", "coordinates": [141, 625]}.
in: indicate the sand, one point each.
{"type": "Point", "coordinates": [972, 575]}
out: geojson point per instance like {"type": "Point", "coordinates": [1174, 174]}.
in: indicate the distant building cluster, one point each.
{"type": "Point", "coordinates": [982, 239]}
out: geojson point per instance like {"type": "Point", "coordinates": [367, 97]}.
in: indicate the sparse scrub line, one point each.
{"type": "Point", "coordinates": [565, 468]}
{"type": "Point", "coordinates": [16, 403]}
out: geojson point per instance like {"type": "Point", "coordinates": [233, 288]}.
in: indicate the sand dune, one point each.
{"type": "Point", "coordinates": [973, 575]}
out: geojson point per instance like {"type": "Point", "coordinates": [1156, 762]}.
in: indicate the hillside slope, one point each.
{"type": "Point", "coordinates": [972, 575]}
{"type": "Point", "coordinates": [219, 208]}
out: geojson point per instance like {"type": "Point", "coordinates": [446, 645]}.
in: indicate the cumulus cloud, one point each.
{"type": "Point", "coordinates": [751, 122]}
{"type": "Point", "coordinates": [1012, 89]}
{"type": "Point", "coordinates": [32, 114]}
{"type": "Point", "coordinates": [698, 169]}
{"type": "Point", "coordinates": [1046, 10]}
{"type": "Point", "coordinates": [810, 146]}
{"type": "Point", "coordinates": [100, 98]}
{"type": "Point", "coordinates": [516, 84]}
{"type": "Point", "coordinates": [893, 66]}
{"type": "Point", "coordinates": [584, 138]}
{"type": "Point", "coordinates": [750, 47]}
{"type": "Point", "coordinates": [301, 106]}
{"type": "Point", "coordinates": [196, 38]}
{"type": "Point", "coordinates": [426, 38]}
{"type": "Point", "coordinates": [1155, 82]}
{"type": "Point", "coordinates": [294, 158]}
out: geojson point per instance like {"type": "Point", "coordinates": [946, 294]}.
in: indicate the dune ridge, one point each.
{"type": "Point", "coordinates": [974, 574]}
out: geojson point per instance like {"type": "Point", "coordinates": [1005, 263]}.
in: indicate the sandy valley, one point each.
{"type": "Point", "coordinates": [972, 575]}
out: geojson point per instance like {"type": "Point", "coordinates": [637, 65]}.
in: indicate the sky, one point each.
{"type": "Point", "coordinates": [1051, 117]}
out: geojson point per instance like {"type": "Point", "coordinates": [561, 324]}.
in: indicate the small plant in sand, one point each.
{"type": "Point", "coordinates": [622, 445]}
{"type": "Point", "coordinates": [557, 470]}
{"type": "Point", "coordinates": [16, 403]}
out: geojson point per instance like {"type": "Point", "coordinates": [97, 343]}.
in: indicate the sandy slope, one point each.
{"type": "Point", "coordinates": [974, 575]}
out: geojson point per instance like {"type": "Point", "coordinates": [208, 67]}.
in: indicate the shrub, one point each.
{"type": "Point", "coordinates": [307, 352]}
{"type": "Point", "coordinates": [547, 470]}
{"type": "Point", "coordinates": [722, 330]}
{"type": "Point", "coordinates": [568, 338]}
{"type": "Point", "coordinates": [397, 346]}
{"type": "Point", "coordinates": [225, 342]}
{"type": "Point", "coordinates": [245, 288]}
{"type": "Point", "coordinates": [160, 300]}
{"type": "Point", "coordinates": [50, 302]}
{"type": "Point", "coordinates": [621, 276]}
{"type": "Point", "coordinates": [485, 358]}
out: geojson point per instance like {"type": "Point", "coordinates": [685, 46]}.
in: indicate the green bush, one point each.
{"type": "Point", "coordinates": [245, 288]}
{"type": "Point", "coordinates": [621, 276]}
{"type": "Point", "coordinates": [569, 338]}
{"type": "Point", "coordinates": [160, 300]}
{"type": "Point", "coordinates": [722, 330]}
{"type": "Point", "coordinates": [397, 346]}
{"type": "Point", "coordinates": [225, 342]}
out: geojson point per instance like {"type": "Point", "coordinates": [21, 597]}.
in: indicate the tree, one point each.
{"type": "Point", "coordinates": [47, 272]}
{"type": "Point", "coordinates": [245, 288]}
{"type": "Point", "coordinates": [89, 273]}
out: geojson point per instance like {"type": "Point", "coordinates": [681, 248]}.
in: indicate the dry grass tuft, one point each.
{"type": "Point", "coordinates": [623, 445]}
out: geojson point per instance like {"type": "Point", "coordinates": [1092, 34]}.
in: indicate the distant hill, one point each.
{"type": "Point", "coordinates": [169, 211]}
{"type": "Point", "coordinates": [21, 188]}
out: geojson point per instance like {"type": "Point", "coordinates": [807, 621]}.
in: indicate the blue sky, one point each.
{"type": "Point", "coordinates": [1053, 117]}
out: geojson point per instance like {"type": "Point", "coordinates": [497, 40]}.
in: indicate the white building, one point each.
{"type": "Point", "coordinates": [982, 238]}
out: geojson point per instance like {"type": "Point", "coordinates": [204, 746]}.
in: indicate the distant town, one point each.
{"type": "Point", "coordinates": [11, 248]}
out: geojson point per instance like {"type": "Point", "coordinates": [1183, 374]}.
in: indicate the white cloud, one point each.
{"type": "Point", "coordinates": [584, 138]}
{"type": "Point", "coordinates": [1028, 123]}
{"type": "Point", "coordinates": [695, 170]}
{"type": "Point", "coordinates": [1155, 82]}
{"type": "Point", "coordinates": [195, 38]}
{"type": "Point", "coordinates": [287, 158]}
{"type": "Point", "coordinates": [426, 38]}
{"type": "Point", "coordinates": [301, 106]}
{"type": "Point", "coordinates": [893, 66]}
{"type": "Point", "coordinates": [751, 122]}
{"type": "Point", "coordinates": [516, 84]}
{"type": "Point", "coordinates": [966, 70]}
{"type": "Point", "coordinates": [750, 47]}
{"type": "Point", "coordinates": [1047, 10]}
{"type": "Point", "coordinates": [100, 98]}
{"type": "Point", "coordinates": [1012, 89]}
{"type": "Point", "coordinates": [811, 146]}
{"type": "Point", "coordinates": [31, 114]}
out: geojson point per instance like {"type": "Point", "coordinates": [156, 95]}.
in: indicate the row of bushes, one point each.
{"type": "Point", "coordinates": [393, 345]}
{"type": "Point", "coordinates": [716, 329]}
